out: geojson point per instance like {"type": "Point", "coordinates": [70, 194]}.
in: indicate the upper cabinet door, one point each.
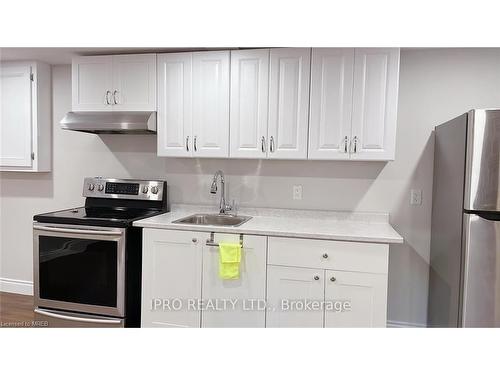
{"type": "Point", "coordinates": [366, 294]}
{"type": "Point", "coordinates": [174, 104]}
{"type": "Point", "coordinates": [289, 103]}
{"type": "Point", "coordinates": [15, 116]}
{"type": "Point", "coordinates": [375, 102]}
{"type": "Point", "coordinates": [331, 103]}
{"type": "Point", "coordinates": [92, 83]}
{"type": "Point", "coordinates": [134, 82]}
{"type": "Point", "coordinates": [211, 104]}
{"type": "Point", "coordinates": [249, 103]}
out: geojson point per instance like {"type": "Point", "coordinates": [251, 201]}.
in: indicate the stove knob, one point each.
{"type": "Point", "coordinates": [154, 190]}
{"type": "Point", "coordinates": [91, 187]}
{"type": "Point", "coordinates": [100, 187]}
{"type": "Point", "coordinates": [145, 189]}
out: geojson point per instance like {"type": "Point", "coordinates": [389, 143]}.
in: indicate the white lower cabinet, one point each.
{"type": "Point", "coordinates": [357, 299]}
{"type": "Point", "coordinates": [180, 270]}
{"type": "Point", "coordinates": [284, 282]}
{"type": "Point", "coordinates": [287, 290]}
{"type": "Point", "coordinates": [235, 303]}
{"type": "Point", "coordinates": [171, 276]}
{"type": "Point", "coordinates": [344, 286]}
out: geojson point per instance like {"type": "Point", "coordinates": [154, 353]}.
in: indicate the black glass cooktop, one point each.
{"type": "Point", "coordinates": [97, 216]}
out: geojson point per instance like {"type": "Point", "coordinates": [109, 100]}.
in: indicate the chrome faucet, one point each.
{"type": "Point", "coordinates": [223, 206]}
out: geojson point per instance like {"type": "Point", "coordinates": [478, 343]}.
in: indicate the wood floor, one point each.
{"type": "Point", "coordinates": [16, 310]}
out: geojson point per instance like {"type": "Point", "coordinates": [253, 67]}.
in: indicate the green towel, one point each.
{"type": "Point", "coordinates": [229, 261]}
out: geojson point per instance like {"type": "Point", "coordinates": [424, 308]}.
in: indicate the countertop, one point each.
{"type": "Point", "coordinates": [315, 224]}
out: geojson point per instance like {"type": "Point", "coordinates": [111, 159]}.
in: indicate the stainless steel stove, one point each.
{"type": "Point", "coordinates": [87, 260]}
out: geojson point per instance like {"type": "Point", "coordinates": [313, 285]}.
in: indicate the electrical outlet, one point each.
{"type": "Point", "coordinates": [416, 197]}
{"type": "Point", "coordinates": [297, 192]}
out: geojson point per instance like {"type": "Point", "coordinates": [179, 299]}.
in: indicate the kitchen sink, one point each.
{"type": "Point", "coordinates": [214, 219]}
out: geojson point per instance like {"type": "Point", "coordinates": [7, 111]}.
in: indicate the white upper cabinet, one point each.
{"type": "Point", "coordinates": [92, 83]}
{"type": "Point", "coordinates": [193, 106]}
{"type": "Point", "coordinates": [249, 103]}
{"type": "Point", "coordinates": [279, 103]}
{"type": "Point", "coordinates": [25, 117]}
{"type": "Point", "coordinates": [375, 102]}
{"type": "Point", "coordinates": [288, 102]}
{"type": "Point", "coordinates": [16, 116]}
{"type": "Point", "coordinates": [331, 103]}
{"type": "Point", "coordinates": [134, 82]}
{"type": "Point", "coordinates": [114, 83]}
{"type": "Point", "coordinates": [211, 104]}
{"type": "Point", "coordinates": [174, 104]}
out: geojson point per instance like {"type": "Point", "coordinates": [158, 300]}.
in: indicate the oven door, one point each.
{"type": "Point", "coordinates": [79, 268]}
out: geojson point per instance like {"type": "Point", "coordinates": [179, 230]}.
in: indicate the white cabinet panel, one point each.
{"type": "Point", "coordinates": [134, 82]}
{"type": "Point", "coordinates": [375, 101]}
{"type": "Point", "coordinates": [249, 103]}
{"type": "Point", "coordinates": [251, 286]}
{"type": "Point", "coordinates": [172, 266]}
{"type": "Point", "coordinates": [174, 104]}
{"type": "Point", "coordinates": [331, 103]}
{"type": "Point", "coordinates": [25, 117]}
{"type": "Point", "coordinates": [288, 284]}
{"type": "Point", "coordinates": [15, 116]}
{"type": "Point", "coordinates": [325, 254]}
{"type": "Point", "coordinates": [366, 295]}
{"type": "Point", "coordinates": [289, 102]}
{"type": "Point", "coordinates": [211, 104]}
{"type": "Point", "coordinates": [92, 83]}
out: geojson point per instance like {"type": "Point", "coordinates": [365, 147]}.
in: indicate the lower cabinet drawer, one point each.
{"type": "Point", "coordinates": [336, 255]}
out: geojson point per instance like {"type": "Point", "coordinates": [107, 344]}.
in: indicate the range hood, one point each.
{"type": "Point", "coordinates": [110, 122]}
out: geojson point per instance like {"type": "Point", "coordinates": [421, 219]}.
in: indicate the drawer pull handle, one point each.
{"type": "Point", "coordinates": [325, 255]}
{"type": "Point", "coordinates": [194, 240]}
{"type": "Point", "coordinates": [316, 278]}
{"type": "Point", "coordinates": [333, 279]}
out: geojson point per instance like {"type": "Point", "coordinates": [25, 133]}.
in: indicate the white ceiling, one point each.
{"type": "Point", "coordinates": [56, 56]}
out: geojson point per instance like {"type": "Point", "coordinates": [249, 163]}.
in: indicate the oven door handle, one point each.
{"type": "Point", "coordinates": [77, 231]}
{"type": "Point", "coordinates": [77, 319]}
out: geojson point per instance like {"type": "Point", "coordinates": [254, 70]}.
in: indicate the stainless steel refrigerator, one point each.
{"type": "Point", "coordinates": [464, 280]}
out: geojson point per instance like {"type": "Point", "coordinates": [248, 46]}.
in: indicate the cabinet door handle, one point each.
{"type": "Point", "coordinates": [115, 100]}
{"type": "Point", "coordinates": [325, 255]}
{"type": "Point", "coordinates": [107, 97]}
{"type": "Point", "coordinates": [263, 144]}
{"type": "Point", "coordinates": [194, 144]}
{"type": "Point", "coordinates": [316, 278]}
{"type": "Point", "coordinates": [355, 144]}
{"type": "Point", "coordinates": [333, 279]}
{"type": "Point", "coordinates": [187, 143]}
{"type": "Point", "coordinates": [346, 140]}
{"type": "Point", "coordinates": [271, 144]}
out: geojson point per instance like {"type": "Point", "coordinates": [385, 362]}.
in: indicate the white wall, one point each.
{"type": "Point", "coordinates": [435, 85]}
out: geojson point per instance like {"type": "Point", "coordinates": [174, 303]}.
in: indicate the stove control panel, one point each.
{"type": "Point", "coordinates": [99, 187]}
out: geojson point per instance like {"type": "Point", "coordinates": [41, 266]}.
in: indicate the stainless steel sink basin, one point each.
{"type": "Point", "coordinates": [214, 219]}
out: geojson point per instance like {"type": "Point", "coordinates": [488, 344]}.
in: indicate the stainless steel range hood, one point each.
{"type": "Point", "coordinates": [110, 122]}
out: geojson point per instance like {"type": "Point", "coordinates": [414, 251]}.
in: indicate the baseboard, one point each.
{"type": "Point", "coordinates": [16, 286]}
{"type": "Point", "coordinates": [398, 324]}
